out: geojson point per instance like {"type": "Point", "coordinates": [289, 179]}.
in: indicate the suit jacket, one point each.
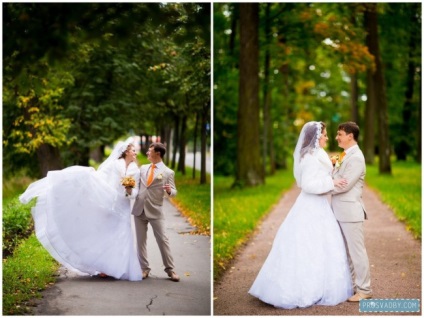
{"type": "Point", "coordinates": [347, 203]}
{"type": "Point", "coordinates": [150, 198]}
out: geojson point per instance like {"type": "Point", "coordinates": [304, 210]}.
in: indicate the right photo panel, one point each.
{"type": "Point", "coordinates": [317, 151]}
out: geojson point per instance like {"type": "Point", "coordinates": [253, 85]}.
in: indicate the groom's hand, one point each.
{"type": "Point", "coordinates": [167, 188]}
{"type": "Point", "coordinates": [340, 183]}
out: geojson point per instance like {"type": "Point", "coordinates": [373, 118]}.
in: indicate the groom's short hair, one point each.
{"type": "Point", "coordinates": [350, 127]}
{"type": "Point", "coordinates": [158, 147]}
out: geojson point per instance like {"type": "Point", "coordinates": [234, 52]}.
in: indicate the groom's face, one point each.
{"type": "Point", "coordinates": [343, 139]}
{"type": "Point", "coordinates": [153, 156]}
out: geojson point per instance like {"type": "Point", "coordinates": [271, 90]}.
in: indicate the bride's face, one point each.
{"type": "Point", "coordinates": [131, 153]}
{"type": "Point", "coordinates": [323, 139]}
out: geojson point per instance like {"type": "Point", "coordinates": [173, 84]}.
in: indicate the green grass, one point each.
{"type": "Point", "coordinates": [194, 200]}
{"type": "Point", "coordinates": [401, 192]}
{"type": "Point", "coordinates": [237, 212]}
{"type": "Point", "coordinates": [28, 272]}
{"type": "Point", "coordinates": [15, 186]}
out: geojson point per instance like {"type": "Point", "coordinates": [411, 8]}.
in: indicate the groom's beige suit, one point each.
{"type": "Point", "coordinates": [148, 209]}
{"type": "Point", "coordinates": [350, 212]}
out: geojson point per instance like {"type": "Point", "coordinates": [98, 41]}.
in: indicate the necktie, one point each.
{"type": "Point", "coordinates": [342, 156]}
{"type": "Point", "coordinates": [151, 173]}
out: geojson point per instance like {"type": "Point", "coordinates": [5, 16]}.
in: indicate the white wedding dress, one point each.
{"type": "Point", "coordinates": [83, 219]}
{"type": "Point", "coordinates": [307, 264]}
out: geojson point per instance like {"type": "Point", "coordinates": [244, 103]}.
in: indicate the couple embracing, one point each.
{"type": "Point", "coordinates": [318, 256]}
{"type": "Point", "coordinates": [83, 216]}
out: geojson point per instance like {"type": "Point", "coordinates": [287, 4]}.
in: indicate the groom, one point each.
{"type": "Point", "coordinates": [155, 180]}
{"type": "Point", "coordinates": [349, 209]}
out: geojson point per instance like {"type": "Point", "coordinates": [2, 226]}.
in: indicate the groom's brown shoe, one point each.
{"type": "Point", "coordinates": [174, 277]}
{"type": "Point", "coordinates": [146, 274]}
{"type": "Point", "coordinates": [358, 296]}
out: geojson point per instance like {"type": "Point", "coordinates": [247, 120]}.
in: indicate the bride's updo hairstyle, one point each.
{"type": "Point", "coordinates": [124, 153]}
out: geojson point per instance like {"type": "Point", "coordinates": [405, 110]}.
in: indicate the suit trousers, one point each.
{"type": "Point", "coordinates": [353, 235]}
{"type": "Point", "coordinates": [158, 225]}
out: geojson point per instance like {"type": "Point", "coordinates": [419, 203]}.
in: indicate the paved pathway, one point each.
{"type": "Point", "coordinates": [157, 295]}
{"type": "Point", "coordinates": [395, 259]}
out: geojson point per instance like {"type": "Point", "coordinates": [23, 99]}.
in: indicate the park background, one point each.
{"type": "Point", "coordinates": [77, 77]}
{"type": "Point", "coordinates": [279, 65]}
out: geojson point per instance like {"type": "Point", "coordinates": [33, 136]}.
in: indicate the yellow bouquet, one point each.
{"type": "Point", "coordinates": [128, 182]}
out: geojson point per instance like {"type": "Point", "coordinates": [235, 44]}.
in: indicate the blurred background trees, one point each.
{"type": "Point", "coordinates": [78, 76]}
{"type": "Point", "coordinates": [333, 62]}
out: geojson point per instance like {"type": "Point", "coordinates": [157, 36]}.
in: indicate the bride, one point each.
{"type": "Point", "coordinates": [307, 264]}
{"type": "Point", "coordinates": [83, 216]}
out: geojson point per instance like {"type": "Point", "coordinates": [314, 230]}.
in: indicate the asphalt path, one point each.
{"type": "Point", "coordinates": [156, 295]}
{"type": "Point", "coordinates": [395, 260]}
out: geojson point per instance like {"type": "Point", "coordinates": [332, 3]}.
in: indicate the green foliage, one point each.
{"type": "Point", "coordinates": [315, 49]}
{"type": "Point", "coordinates": [17, 224]}
{"type": "Point", "coordinates": [401, 191]}
{"type": "Point", "coordinates": [29, 271]}
{"type": "Point", "coordinates": [237, 212]}
{"type": "Point", "coordinates": [85, 80]}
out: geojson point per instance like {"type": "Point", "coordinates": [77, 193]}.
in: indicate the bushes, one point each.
{"type": "Point", "coordinates": [17, 224]}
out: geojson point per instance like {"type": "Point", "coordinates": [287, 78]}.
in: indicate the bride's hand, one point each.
{"type": "Point", "coordinates": [340, 183]}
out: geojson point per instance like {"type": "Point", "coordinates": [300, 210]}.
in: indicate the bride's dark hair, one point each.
{"type": "Point", "coordinates": [124, 154]}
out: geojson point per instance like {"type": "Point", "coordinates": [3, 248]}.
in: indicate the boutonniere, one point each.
{"type": "Point", "coordinates": [336, 161]}
{"type": "Point", "coordinates": [159, 177]}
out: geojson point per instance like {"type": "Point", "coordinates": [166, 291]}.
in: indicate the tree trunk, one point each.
{"type": "Point", "coordinates": [48, 159]}
{"type": "Point", "coordinates": [175, 141]}
{"type": "Point", "coordinates": [403, 146]}
{"type": "Point", "coordinates": [267, 129]}
{"type": "Point", "coordinates": [182, 146]}
{"type": "Point", "coordinates": [249, 170]}
{"type": "Point", "coordinates": [354, 94]}
{"type": "Point", "coordinates": [234, 18]}
{"type": "Point", "coordinates": [203, 143]}
{"type": "Point", "coordinates": [354, 91]}
{"type": "Point", "coordinates": [369, 118]}
{"type": "Point", "coordinates": [370, 106]}
{"type": "Point", "coordinates": [377, 77]}
{"type": "Point", "coordinates": [167, 142]}
{"type": "Point", "coordinates": [195, 145]}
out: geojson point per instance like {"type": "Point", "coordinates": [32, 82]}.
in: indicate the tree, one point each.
{"type": "Point", "coordinates": [249, 169]}
{"type": "Point", "coordinates": [107, 66]}
{"type": "Point", "coordinates": [377, 89]}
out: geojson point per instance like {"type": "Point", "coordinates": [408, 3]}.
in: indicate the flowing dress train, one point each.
{"type": "Point", "coordinates": [83, 219]}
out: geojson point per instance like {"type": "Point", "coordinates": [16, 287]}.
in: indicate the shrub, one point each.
{"type": "Point", "coordinates": [17, 224]}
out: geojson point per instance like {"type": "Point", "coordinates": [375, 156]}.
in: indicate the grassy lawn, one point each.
{"type": "Point", "coordinates": [29, 271]}
{"type": "Point", "coordinates": [238, 212]}
{"type": "Point", "coordinates": [194, 200]}
{"type": "Point", "coordinates": [401, 192]}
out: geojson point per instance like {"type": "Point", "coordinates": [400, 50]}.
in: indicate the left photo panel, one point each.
{"type": "Point", "coordinates": [106, 159]}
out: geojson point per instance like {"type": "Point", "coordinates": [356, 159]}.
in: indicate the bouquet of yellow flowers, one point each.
{"type": "Point", "coordinates": [128, 182]}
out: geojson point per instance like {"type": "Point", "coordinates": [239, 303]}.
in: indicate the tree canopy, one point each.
{"type": "Point", "coordinates": [316, 63]}
{"type": "Point", "coordinates": [78, 76]}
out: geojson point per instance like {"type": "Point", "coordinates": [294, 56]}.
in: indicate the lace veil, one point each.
{"type": "Point", "coordinates": [120, 147]}
{"type": "Point", "coordinates": [308, 142]}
